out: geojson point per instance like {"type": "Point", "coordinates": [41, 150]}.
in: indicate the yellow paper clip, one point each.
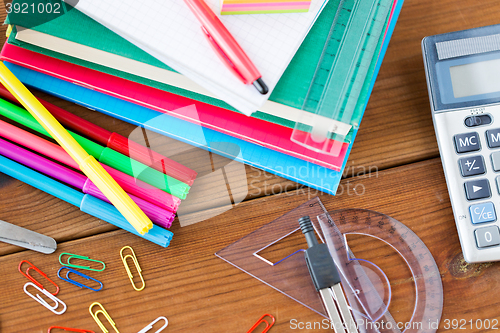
{"type": "Point", "coordinates": [98, 321]}
{"type": "Point", "coordinates": [139, 270]}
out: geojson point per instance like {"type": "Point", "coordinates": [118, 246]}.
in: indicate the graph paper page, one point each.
{"type": "Point", "coordinates": [170, 32]}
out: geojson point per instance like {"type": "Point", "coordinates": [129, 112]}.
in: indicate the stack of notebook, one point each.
{"type": "Point", "coordinates": [78, 59]}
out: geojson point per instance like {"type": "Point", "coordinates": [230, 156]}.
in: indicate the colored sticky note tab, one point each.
{"type": "Point", "coordinates": [229, 7]}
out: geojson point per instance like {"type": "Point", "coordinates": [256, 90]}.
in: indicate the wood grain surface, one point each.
{"type": "Point", "coordinates": [394, 168]}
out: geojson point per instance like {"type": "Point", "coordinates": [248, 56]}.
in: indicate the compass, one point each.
{"type": "Point", "coordinates": [371, 251]}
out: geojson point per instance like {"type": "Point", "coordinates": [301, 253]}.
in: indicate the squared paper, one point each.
{"type": "Point", "coordinates": [170, 32]}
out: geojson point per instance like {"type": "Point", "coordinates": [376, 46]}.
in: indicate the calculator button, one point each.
{"type": "Point", "coordinates": [477, 189]}
{"type": "Point", "coordinates": [473, 121]}
{"type": "Point", "coordinates": [467, 142]}
{"type": "Point", "coordinates": [498, 183]}
{"type": "Point", "coordinates": [474, 165]}
{"type": "Point", "coordinates": [482, 213]}
{"type": "Point", "coordinates": [493, 138]}
{"type": "Point", "coordinates": [489, 236]}
{"type": "Point", "coordinates": [495, 160]}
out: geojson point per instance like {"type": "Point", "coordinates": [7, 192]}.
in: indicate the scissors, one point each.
{"type": "Point", "coordinates": [12, 234]}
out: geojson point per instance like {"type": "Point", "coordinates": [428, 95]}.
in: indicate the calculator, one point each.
{"type": "Point", "coordinates": [463, 79]}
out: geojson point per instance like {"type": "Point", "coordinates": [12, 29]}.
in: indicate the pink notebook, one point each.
{"type": "Point", "coordinates": [257, 131]}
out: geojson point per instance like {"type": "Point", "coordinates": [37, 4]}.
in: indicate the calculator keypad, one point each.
{"type": "Point", "coordinates": [469, 145]}
{"type": "Point", "coordinates": [476, 189]}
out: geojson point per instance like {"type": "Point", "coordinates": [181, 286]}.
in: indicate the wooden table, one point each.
{"type": "Point", "coordinates": [394, 166]}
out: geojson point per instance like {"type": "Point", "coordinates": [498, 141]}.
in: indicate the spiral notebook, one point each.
{"type": "Point", "coordinates": [171, 33]}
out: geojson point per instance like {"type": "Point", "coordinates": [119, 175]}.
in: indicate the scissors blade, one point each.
{"type": "Point", "coordinates": [12, 234]}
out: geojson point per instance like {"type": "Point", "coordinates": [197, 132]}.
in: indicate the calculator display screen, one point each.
{"type": "Point", "coordinates": [463, 68]}
{"type": "Point", "coordinates": [475, 78]}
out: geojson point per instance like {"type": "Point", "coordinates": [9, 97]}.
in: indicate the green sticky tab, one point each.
{"type": "Point", "coordinates": [143, 172]}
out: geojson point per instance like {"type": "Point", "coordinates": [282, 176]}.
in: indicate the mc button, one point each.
{"type": "Point", "coordinates": [467, 142]}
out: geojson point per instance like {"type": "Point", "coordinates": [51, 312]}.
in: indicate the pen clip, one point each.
{"type": "Point", "coordinates": [223, 56]}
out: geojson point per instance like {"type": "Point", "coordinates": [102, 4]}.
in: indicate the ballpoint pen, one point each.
{"type": "Point", "coordinates": [226, 46]}
{"type": "Point", "coordinates": [326, 280]}
{"type": "Point", "coordinates": [89, 166]}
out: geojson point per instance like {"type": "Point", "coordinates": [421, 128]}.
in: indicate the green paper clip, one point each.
{"type": "Point", "coordinates": [71, 255]}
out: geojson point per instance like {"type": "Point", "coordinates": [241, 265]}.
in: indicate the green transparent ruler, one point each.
{"type": "Point", "coordinates": [334, 92]}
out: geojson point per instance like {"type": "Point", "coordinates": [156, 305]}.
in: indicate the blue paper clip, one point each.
{"type": "Point", "coordinates": [78, 284]}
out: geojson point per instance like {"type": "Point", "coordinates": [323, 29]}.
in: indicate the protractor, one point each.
{"type": "Point", "coordinates": [374, 252]}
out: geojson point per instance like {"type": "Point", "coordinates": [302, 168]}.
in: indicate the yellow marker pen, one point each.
{"type": "Point", "coordinates": [88, 164]}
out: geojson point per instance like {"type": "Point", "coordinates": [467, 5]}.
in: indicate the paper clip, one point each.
{"type": "Point", "coordinates": [262, 320]}
{"type": "Point", "coordinates": [27, 274]}
{"type": "Point", "coordinates": [150, 326]}
{"type": "Point", "coordinates": [75, 256]}
{"type": "Point", "coordinates": [40, 300]}
{"type": "Point", "coordinates": [139, 270]}
{"type": "Point", "coordinates": [78, 284]}
{"type": "Point", "coordinates": [98, 321]}
{"type": "Point", "coordinates": [67, 329]}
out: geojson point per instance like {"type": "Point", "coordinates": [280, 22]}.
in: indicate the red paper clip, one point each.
{"type": "Point", "coordinates": [262, 320]}
{"type": "Point", "coordinates": [27, 274]}
{"type": "Point", "coordinates": [67, 329]}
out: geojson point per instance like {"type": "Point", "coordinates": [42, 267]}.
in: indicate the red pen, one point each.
{"type": "Point", "coordinates": [226, 46]}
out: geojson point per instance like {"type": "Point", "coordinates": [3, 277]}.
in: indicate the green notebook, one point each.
{"type": "Point", "coordinates": [291, 90]}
